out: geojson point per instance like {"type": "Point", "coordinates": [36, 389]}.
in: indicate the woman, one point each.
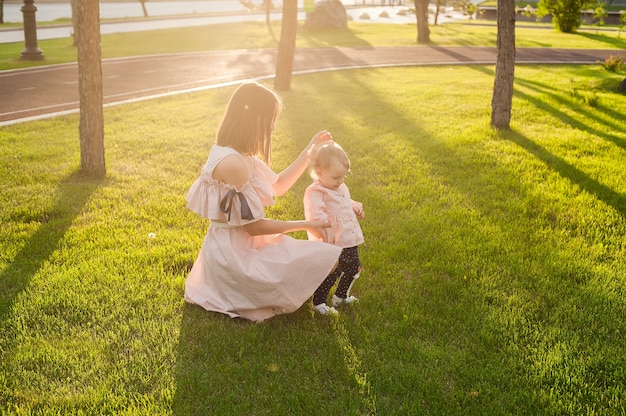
{"type": "Point", "coordinates": [247, 266]}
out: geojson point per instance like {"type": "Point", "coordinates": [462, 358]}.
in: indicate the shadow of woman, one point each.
{"type": "Point", "coordinates": [227, 366]}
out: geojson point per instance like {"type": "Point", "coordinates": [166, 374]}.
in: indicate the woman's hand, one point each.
{"type": "Point", "coordinates": [319, 138]}
{"type": "Point", "coordinates": [319, 229]}
{"type": "Point", "coordinates": [290, 175]}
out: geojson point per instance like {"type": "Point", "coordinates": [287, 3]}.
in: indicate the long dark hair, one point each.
{"type": "Point", "coordinates": [247, 122]}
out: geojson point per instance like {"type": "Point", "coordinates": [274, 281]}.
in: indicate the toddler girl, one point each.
{"type": "Point", "coordinates": [328, 199]}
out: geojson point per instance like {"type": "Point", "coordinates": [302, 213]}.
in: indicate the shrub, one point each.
{"type": "Point", "coordinates": [613, 63]}
{"type": "Point", "coordinates": [565, 13]}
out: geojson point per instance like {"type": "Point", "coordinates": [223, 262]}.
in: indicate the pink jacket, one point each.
{"type": "Point", "coordinates": [336, 207]}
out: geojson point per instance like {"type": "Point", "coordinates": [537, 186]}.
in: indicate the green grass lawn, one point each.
{"type": "Point", "coordinates": [493, 273]}
{"type": "Point", "coordinates": [493, 279]}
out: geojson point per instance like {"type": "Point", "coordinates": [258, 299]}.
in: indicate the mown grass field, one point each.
{"type": "Point", "coordinates": [494, 262]}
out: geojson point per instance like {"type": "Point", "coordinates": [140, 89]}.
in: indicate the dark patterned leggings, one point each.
{"type": "Point", "coordinates": [348, 268]}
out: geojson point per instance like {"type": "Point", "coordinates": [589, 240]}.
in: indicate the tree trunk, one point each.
{"type": "Point", "coordinates": [287, 45]}
{"type": "Point", "coordinates": [439, 5]}
{"type": "Point", "coordinates": [143, 8]}
{"type": "Point", "coordinates": [74, 4]}
{"type": "Point", "coordinates": [421, 12]}
{"type": "Point", "coordinates": [91, 126]}
{"type": "Point", "coordinates": [1, 11]}
{"type": "Point", "coordinates": [268, 19]}
{"type": "Point", "coordinates": [502, 97]}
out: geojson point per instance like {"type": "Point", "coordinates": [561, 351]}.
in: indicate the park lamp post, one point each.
{"type": "Point", "coordinates": [31, 51]}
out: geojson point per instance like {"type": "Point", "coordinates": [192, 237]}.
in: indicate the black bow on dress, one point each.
{"type": "Point", "coordinates": [226, 205]}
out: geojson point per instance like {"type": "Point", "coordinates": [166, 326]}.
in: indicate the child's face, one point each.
{"type": "Point", "coordinates": [333, 176]}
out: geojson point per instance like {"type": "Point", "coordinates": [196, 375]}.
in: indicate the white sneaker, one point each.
{"type": "Point", "coordinates": [324, 309]}
{"type": "Point", "coordinates": [337, 301]}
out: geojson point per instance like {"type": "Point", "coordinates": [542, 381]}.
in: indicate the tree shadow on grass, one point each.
{"type": "Point", "coordinates": [73, 193]}
{"type": "Point", "coordinates": [466, 56]}
{"type": "Point", "coordinates": [585, 113]}
{"type": "Point", "coordinates": [571, 173]}
{"type": "Point", "coordinates": [566, 170]}
{"type": "Point", "coordinates": [610, 41]}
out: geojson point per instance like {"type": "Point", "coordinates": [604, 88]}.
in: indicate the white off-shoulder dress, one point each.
{"type": "Point", "coordinates": [251, 277]}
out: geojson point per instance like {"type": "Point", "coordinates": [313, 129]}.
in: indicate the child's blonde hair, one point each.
{"type": "Point", "coordinates": [326, 155]}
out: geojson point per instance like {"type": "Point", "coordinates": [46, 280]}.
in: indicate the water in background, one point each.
{"type": "Point", "coordinates": [47, 12]}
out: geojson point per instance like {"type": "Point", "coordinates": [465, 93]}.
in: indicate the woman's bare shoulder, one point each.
{"type": "Point", "coordinates": [232, 170]}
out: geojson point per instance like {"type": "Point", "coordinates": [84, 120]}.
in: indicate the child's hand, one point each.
{"type": "Point", "coordinates": [358, 209]}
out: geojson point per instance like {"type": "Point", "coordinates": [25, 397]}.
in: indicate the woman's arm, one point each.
{"type": "Point", "coordinates": [269, 226]}
{"type": "Point", "coordinates": [290, 175]}
{"type": "Point", "coordinates": [232, 170]}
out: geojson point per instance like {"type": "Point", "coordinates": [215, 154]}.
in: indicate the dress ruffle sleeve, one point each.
{"type": "Point", "coordinates": [198, 199]}
{"type": "Point", "coordinates": [225, 203]}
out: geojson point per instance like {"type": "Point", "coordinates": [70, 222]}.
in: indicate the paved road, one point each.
{"type": "Point", "coordinates": [48, 91]}
{"type": "Point", "coordinates": [135, 25]}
